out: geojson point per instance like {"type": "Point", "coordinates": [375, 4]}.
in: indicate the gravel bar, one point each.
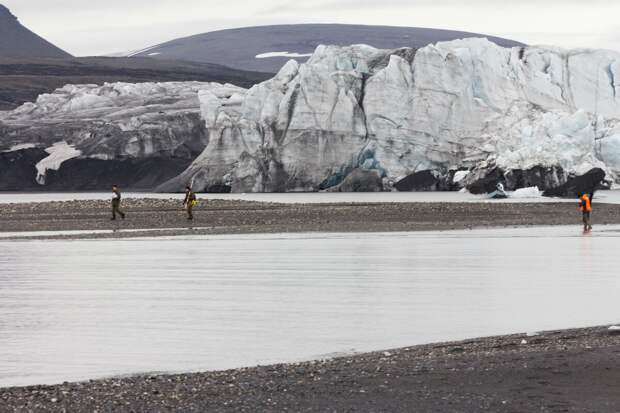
{"type": "Point", "coordinates": [244, 217]}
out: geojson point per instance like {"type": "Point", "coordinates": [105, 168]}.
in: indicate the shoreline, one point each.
{"type": "Point", "coordinates": [557, 370]}
{"type": "Point", "coordinates": [149, 217]}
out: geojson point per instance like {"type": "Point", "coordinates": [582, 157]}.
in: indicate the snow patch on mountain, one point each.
{"type": "Point", "coordinates": [137, 52]}
{"type": "Point", "coordinates": [281, 54]}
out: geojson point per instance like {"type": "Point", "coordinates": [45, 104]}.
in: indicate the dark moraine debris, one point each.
{"type": "Point", "coordinates": [92, 174]}
{"type": "Point", "coordinates": [542, 177]}
{"type": "Point", "coordinates": [17, 169]}
{"type": "Point", "coordinates": [360, 180]}
{"type": "Point", "coordinates": [218, 189]}
{"type": "Point", "coordinates": [575, 186]}
{"type": "Point", "coordinates": [487, 183]}
{"type": "Point", "coordinates": [381, 62]}
{"type": "Point", "coordinates": [419, 181]}
{"type": "Point", "coordinates": [447, 181]}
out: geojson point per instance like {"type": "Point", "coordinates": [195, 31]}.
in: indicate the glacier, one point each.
{"type": "Point", "coordinates": [445, 116]}
{"type": "Point", "coordinates": [88, 136]}
{"type": "Point", "coordinates": [461, 105]}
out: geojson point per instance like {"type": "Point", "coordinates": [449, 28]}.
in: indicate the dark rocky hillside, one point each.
{"type": "Point", "coordinates": [22, 80]}
{"type": "Point", "coordinates": [17, 41]}
{"type": "Point", "coordinates": [238, 48]}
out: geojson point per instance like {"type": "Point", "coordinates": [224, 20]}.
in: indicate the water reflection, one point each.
{"type": "Point", "coordinates": [72, 310]}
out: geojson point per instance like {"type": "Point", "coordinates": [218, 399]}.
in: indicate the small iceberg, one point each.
{"type": "Point", "coordinates": [522, 193]}
{"type": "Point", "coordinates": [499, 192]}
{"type": "Point", "coordinates": [531, 192]}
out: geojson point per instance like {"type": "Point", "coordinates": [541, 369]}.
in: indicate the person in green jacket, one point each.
{"type": "Point", "coordinates": [116, 203]}
{"type": "Point", "coordinates": [189, 202]}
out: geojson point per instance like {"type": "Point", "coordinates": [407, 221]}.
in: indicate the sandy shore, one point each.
{"type": "Point", "coordinates": [561, 371]}
{"type": "Point", "coordinates": [232, 217]}
{"type": "Point", "coordinates": [573, 370]}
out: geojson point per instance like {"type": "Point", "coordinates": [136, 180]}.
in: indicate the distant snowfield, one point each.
{"type": "Point", "coordinates": [137, 52]}
{"type": "Point", "coordinates": [281, 54]}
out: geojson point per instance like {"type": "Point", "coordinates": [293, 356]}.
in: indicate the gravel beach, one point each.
{"type": "Point", "coordinates": [235, 217]}
{"type": "Point", "coordinates": [561, 371]}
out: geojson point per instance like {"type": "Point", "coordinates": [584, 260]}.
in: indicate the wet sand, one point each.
{"type": "Point", "coordinates": [236, 217]}
{"type": "Point", "coordinates": [561, 371]}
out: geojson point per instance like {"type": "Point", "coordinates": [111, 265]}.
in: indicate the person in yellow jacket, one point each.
{"type": "Point", "coordinates": [585, 205]}
{"type": "Point", "coordinates": [189, 202]}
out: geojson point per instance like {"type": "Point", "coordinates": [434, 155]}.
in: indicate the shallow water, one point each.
{"type": "Point", "coordinates": [73, 310]}
{"type": "Point", "coordinates": [67, 233]}
{"type": "Point", "coordinates": [304, 197]}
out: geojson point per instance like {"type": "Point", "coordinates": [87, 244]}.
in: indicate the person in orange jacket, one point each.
{"type": "Point", "coordinates": [585, 205]}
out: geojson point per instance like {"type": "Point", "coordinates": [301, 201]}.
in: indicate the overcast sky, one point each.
{"type": "Point", "coordinates": [84, 27]}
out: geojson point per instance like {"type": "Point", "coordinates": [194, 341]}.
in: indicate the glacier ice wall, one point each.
{"type": "Point", "coordinates": [465, 104]}
{"type": "Point", "coordinates": [454, 112]}
{"type": "Point", "coordinates": [117, 122]}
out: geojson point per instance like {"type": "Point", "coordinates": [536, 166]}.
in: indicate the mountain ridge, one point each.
{"type": "Point", "coordinates": [239, 47]}
{"type": "Point", "coordinates": [23, 80]}
{"type": "Point", "coordinates": [17, 41]}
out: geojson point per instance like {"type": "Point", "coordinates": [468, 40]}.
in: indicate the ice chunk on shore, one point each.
{"type": "Point", "coordinates": [459, 176]}
{"type": "Point", "coordinates": [532, 192]}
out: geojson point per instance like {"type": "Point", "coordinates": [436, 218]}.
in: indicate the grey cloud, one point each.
{"type": "Point", "coordinates": [88, 27]}
{"type": "Point", "coordinates": [56, 6]}
{"type": "Point", "coordinates": [304, 6]}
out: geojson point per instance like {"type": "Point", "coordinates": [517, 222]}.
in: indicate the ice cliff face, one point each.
{"type": "Point", "coordinates": [440, 117]}
{"type": "Point", "coordinates": [118, 125]}
{"type": "Point", "coordinates": [465, 104]}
